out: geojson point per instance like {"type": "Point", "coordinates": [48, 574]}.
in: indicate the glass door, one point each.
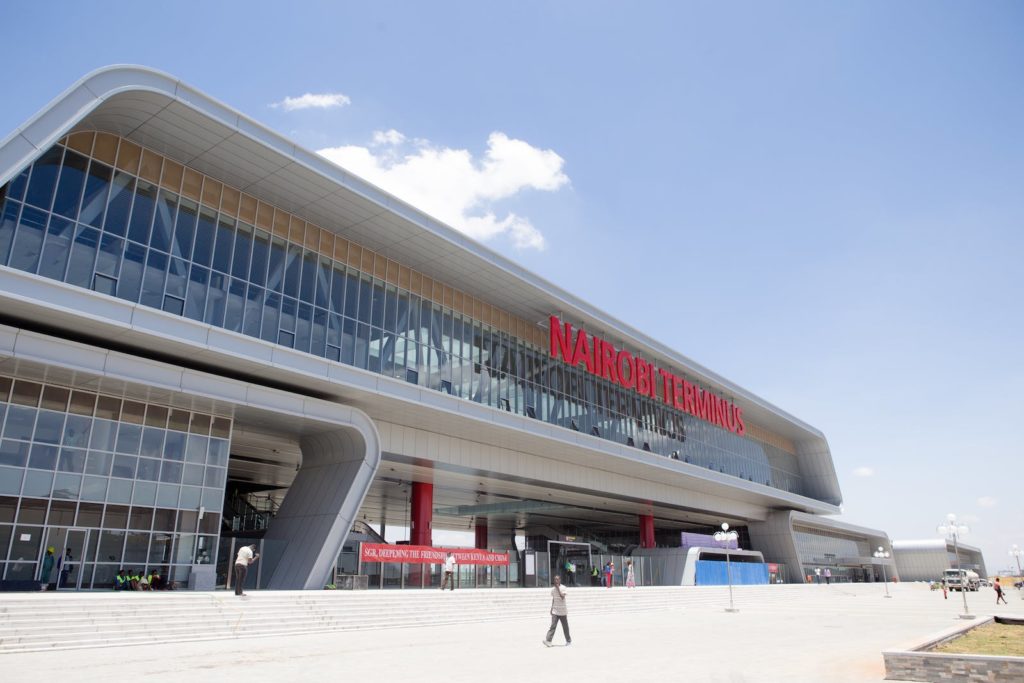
{"type": "Point", "coordinates": [69, 569]}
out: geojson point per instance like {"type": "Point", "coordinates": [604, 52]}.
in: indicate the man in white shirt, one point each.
{"type": "Point", "coordinates": [449, 571]}
{"type": "Point", "coordinates": [559, 613]}
{"type": "Point", "coordinates": [246, 556]}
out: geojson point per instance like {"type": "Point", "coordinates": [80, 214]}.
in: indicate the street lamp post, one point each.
{"type": "Point", "coordinates": [881, 554]}
{"type": "Point", "coordinates": [727, 537]}
{"type": "Point", "coordinates": [1015, 553]}
{"type": "Point", "coordinates": [952, 530]}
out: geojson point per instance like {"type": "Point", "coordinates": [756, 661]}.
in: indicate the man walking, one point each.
{"type": "Point", "coordinates": [246, 555]}
{"type": "Point", "coordinates": [559, 613]}
{"type": "Point", "coordinates": [449, 571]}
{"type": "Point", "coordinates": [828, 576]}
{"type": "Point", "coordinates": [999, 592]}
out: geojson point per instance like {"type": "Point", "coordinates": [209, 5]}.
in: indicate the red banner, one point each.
{"type": "Point", "coordinates": [425, 554]}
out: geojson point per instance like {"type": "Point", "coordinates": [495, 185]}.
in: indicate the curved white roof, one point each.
{"type": "Point", "coordinates": [158, 111]}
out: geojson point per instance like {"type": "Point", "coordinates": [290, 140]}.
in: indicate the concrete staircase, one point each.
{"type": "Point", "coordinates": [58, 621]}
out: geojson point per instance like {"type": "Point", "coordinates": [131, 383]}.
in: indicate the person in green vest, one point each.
{"type": "Point", "coordinates": [595, 576]}
{"type": "Point", "coordinates": [48, 560]}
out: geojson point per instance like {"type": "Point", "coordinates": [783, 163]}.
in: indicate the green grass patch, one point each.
{"type": "Point", "coordinates": [1003, 640]}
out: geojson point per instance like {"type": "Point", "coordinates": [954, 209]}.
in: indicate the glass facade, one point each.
{"type": "Point", "coordinates": [118, 482]}
{"type": "Point", "coordinates": [848, 558]}
{"type": "Point", "coordinates": [112, 222]}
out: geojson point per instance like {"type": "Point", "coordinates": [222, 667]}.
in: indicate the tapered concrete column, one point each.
{"type": "Point", "coordinates": [647, 531]}
{"type": "Point", "coordinates": [481, 533]}
{"type": "Point", "coordinates": [421, 513]}
{"type": "Point", "coordinates": [317, 512]}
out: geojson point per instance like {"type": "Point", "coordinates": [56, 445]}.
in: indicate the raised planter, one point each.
{"type": "Point", "coordinates": [918, 663]}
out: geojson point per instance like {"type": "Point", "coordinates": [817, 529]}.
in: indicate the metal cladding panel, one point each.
{"type": "Point", "coordinates": [774, 538]}
{"type": "Point", "coordinates": [320, 507]}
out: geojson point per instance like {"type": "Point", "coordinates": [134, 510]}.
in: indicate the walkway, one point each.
{"type": "Point", "coordinates": [807, 634]}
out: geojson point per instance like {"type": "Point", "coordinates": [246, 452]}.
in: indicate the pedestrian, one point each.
{"type": "Point", "coordinates": [559, 613]}
{"type": "Point", "coordinates": [945, 590]}
{"type": "Point", "coordinates": [449, 571]}
{"type": "Point", "coordinates": [999, 592]}
{"type": "Point", "coordinates": [595, 576]}
{"type": "Point", "coordinates": [609, 573]}
{"type": "Point", "coordinates": [817, 575]}
{"type": "Point", "coordinates": [630, 578]}
{"type": "Point", "coordinates": [571, 569]}
{"type": "Point", "coordinates": [246, 556]}
{"type": "Point", "coordinates": [64, 568]}
{"type": "Point", "coordinates": [48, 560]}
{"type": "Point", "coordinates": [828, 576]}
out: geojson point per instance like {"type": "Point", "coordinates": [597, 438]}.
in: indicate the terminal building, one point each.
{"type": "Point", "coordinates": [208, 334]}
{"type": "Point", "coordinates": [927, 559]}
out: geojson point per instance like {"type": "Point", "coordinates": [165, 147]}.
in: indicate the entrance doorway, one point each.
{"type": "Point", "coordinates": [70, 546]}
{"type": "Point", "coordinates": [571, 560]}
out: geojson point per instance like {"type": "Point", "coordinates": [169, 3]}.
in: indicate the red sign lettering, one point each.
{"type": "Point", "coordinates": [603, 360]}
{"type": "Point", "coordinates": [425, 554]}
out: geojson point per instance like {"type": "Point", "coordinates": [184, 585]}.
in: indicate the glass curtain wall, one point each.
{"type": "Point", "coordinates": [120, 480]}
{"type": "Point", "coordinates": [77, 219]}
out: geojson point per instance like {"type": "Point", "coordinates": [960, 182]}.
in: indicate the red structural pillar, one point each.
{"type": "Point", "coordinates": [481, 533]}
{"type": "Point", "coordinates": [421, 513]}
{"type": "Point", "coordinates": [646, 531]}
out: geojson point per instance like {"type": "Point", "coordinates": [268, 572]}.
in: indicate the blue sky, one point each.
{"type": "Point", "coordinates": [822, 202]}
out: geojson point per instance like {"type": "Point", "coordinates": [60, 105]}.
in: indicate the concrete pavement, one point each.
{"type": "Point", "coordinates": [818, 633]}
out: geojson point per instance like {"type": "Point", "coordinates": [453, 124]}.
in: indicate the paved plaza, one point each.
{"type": "Point", "coordinates": [813, 633]}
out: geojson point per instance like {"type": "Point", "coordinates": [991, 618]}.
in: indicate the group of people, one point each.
{"type": "Point", "coordinates": [134, 580]}
{"type": "Point", "coordinates": [63, 563]}
{"type": "Point", "coordinates": [605, 576]}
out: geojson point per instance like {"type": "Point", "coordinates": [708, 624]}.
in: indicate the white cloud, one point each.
{"type": "Point", "coordinates": [864, 472]}
{"type": "Point", "coordinates": [388, 137]}
{"type": "Point", "coordinates": [313, 101]}
{"type": "Point", "coordinates": [987, 502]}
{"type": "Point", "coordinates": [455, 188]}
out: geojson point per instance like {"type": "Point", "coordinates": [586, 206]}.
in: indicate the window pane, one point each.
{"type": "Point", "coordinates": [132, 269]}
{"type": "Point", "coordinates": [108, 260]}
{"type": "Point", "coordinates": [94, 200]}
{"type": "Point", "coordinates": [260, 255]}
{"type": "Point", "coordinates": [163, 221]}
{"type": "Point", "coordinates": [203, 250]}
{"type": "Point", "coordinates": [28, 240]}
{"type": "Point", "coordinates": [142, 215]}
{"type": "Point", "coordinates": [224, 245]}
{"type": "Point", "coordinates": [243, 246]}
{"type": "Point", "coordinates": [56, 249]}
{"type": "Point", "coordinates": [154, 279]}
{"type": "Point", "coordinates": [44, 179]}
{"type": "Point", "coordinates": [69, 187]}
{"type": "Point", "coordinates": [120, 204]}
{"type": "Point", "coordinates": [293, 266]}
{"type": "Point", "coordinates": [308, 282]}
{"type": "Point", "coordinates": [185, 229]}
{"type": "Point", "coordinates": [98, 463]}
{"type": "Point", "coordinates": [195, 302]}
{"type": "Point", "coordinates": [83, 257]}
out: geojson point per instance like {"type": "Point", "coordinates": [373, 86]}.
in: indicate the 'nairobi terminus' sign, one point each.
{"type": "Point", "coordinates": [601, 359]}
